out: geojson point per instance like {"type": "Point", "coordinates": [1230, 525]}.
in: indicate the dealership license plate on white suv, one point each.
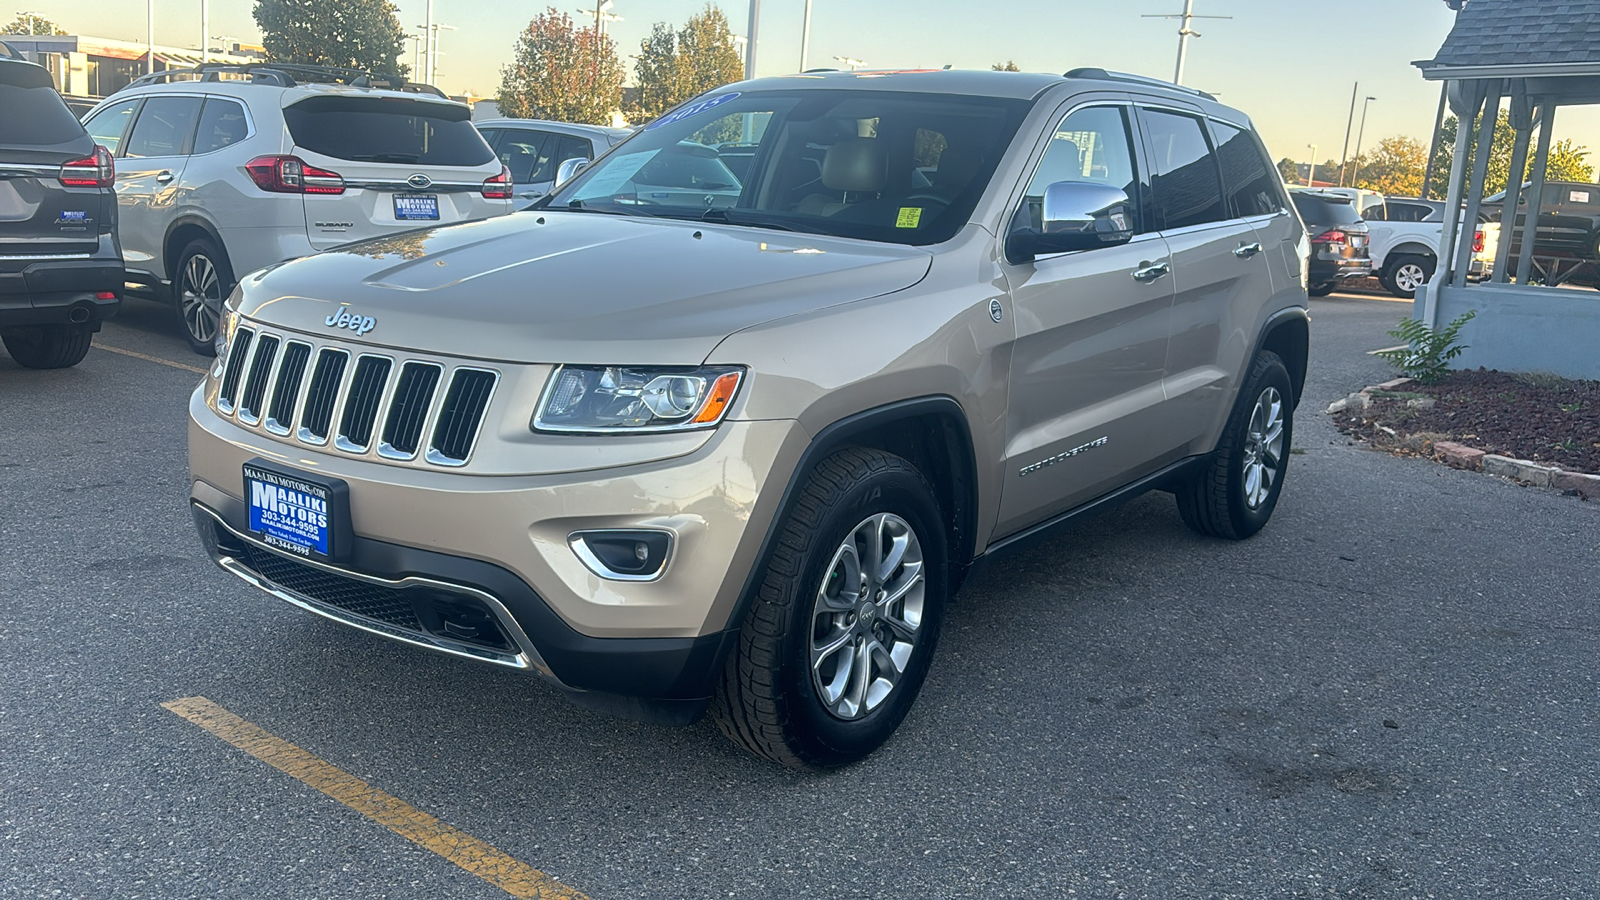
{"type": "Point", "coordinates": [415, 206]}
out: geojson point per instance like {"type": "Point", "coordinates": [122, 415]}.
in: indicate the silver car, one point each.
{"type": "Point", "coordinates": [533, 149]}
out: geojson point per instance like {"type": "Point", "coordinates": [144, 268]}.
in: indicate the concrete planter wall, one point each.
{"type": "Point", "coordinates": [1524, 329]}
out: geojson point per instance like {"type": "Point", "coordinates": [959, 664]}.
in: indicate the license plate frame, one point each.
{"type": "Point", "coordinates": [297, 513]}
{"type": "Point", "coordinates": [416, 207]}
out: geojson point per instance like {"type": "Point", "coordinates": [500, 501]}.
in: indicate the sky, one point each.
{"type": "Point", "coordinates": [1290, 65]}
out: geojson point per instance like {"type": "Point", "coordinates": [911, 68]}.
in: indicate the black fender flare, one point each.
{"type": "Point", "coordinates": [1292, 315]}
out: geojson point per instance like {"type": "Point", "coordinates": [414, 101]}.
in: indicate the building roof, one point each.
{"type": "Point", "coordinates": [1536, 35]}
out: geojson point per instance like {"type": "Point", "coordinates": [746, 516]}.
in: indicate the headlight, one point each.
{"type": "Point", "coordinates": [225, 328]}
{"type": "Point", "coordinates": [607, 399]}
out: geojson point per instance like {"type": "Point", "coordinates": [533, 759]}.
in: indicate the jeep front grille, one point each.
{"type": "Point", "coordinates": [398, 409]}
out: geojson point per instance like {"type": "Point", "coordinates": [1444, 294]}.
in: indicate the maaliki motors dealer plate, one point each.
{"type": "Point", "coordinates": [418, 207]}
{"type": "Point", "coordinates": [300, 514]}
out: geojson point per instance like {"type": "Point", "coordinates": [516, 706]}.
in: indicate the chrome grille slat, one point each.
{"type": "Point", "coordinates": [316, 421]}
{"type": "Point", "coordinates": [286, 388]}
{"type": "Point", "coordinates": [238, 352]}
{"type": "Point", "coordinates": [461, 416]}
{"type": "Point", "coordinates": [363, 401]}
{"type": "Point", "coordinates": [413, 398]}
{"type": "Point", "coordinates": [253, 398]}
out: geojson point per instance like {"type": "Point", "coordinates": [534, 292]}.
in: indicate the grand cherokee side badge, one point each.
{"type": "Point", "coordinates": [345, 319]}
{"type": "Point", "coordinates": [1045, 463]}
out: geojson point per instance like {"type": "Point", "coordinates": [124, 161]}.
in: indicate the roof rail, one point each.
{"type": "Point", "coordinates": [9, 52]}
{"type": "Point", "coordinates": [1103, 75]}
{"type": "Point", "coordinates": [290, 74]}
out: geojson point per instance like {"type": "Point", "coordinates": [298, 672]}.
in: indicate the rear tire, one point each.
{"type": "Point", "coordinates": [200, 284]}
{"type": "Point", "coordinates": [1320, 290]}
{"type": "Point", "coordinates": [48, 346]}
{"type": "Point", "coordinates": [1404, 276]}
{"type": "Point", "coordinates": [1233, 493]}
{"type": "Point", "coordinates": [837, 640]}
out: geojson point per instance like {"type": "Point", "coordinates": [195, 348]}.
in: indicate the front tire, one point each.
{"type": "Point", "coordinates": [48, 346]}
{"type": "Point", "coordinates": [1321, 290]}
{"type": "Point", "coordinates": [1233, 493]}
{"type": "Point", "coordinates": [201, 284]}
{"type": "Point", "coordinates": [838, 638]}
{"type": "Point", "coordinates": [1405, 276]}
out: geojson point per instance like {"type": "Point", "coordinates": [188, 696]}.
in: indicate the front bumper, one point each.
{"type": "Point", "coordinates": [494, 550]}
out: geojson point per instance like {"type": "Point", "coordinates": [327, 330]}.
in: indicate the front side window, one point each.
{"type": "Point", "coordinates": [527, 154]}
{"type": "Point", "coordinates": [1253, 184]}
{"type": "Point", "coordinates": [1090, 145]}
{"type": "Point", "coordinates": [904, 168]}
{"type": "Point", "coordinates": [164, 127]}
{"type": "Point", "coordinates": [1185, 181]}
{"type": "Point", "coordinates": [109, 125]}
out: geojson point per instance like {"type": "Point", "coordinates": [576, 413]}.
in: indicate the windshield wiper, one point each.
{"type": "Point", "coordinates": [577, 206]}
{"type": "Point", "coordinates": [387, 158]}
{"type": "Point", "coordinates": [746, 218]}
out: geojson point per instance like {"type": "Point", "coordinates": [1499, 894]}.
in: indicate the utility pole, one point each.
{"type": "Point", "coordinates": [1344, 155]}
{"type": "Point", "coordinates": [805, 37]}
{"type": "Point", "coordinates": [205, 31]}
{"type": "Point", "coordinates": [750, 46]}
{"type": "Point", "coordinates": [1311, 177]}
{"type": "Point", "coordinates": [1357, 168]}
{"type": "Point", "coordinates": [1184, 33]}
{"type": "Point", "coordinates": [431, 36]}
{"type": "Point", "coordinates": [853, 63]}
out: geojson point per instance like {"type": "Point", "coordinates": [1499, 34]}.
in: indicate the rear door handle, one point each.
{"type": "Point", "coordinates": [164, 177]}
{"type": "Point", "coordinates": [1151, 271]}
{"type": "Point", "coordinates": [1245, 251]}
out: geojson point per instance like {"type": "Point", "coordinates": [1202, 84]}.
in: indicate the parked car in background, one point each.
{"type": "Point", "coordinates": [1363, 200]}
{"type": "Point", "coordinates": [60, 265]}
{"type": "Point", "coordinates": [674, 457]}
{"type": "Point", "coordinates": [532, 149]}
{"type": "Point", "coordinates": [243, 166]}
{"type": "Point", "coordinates": [1338, 239]}
{"type": "Point", "coordinates": [1569, 219]}
{"type": "Point", "coordinates": [1404, 235]}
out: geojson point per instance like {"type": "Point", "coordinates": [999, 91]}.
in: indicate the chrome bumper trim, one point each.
{"type": "Point", "coordinates": [527, 658]}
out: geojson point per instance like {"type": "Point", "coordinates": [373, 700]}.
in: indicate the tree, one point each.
{"type": "Point", "coordinates": [673, 66]}
{"type": "Point", "coordinates": [27, 23]}
{"type": "Point", "coordinates": [352, 34]}
{"type": "Point", "coordinates": [1395, 168]}
{"type": "Point", "coordinates": [1566, 162]}
{"type": "Point", "coordinates": [562, 73]}
{"type": "Point", "coordinates": [1007, 66]}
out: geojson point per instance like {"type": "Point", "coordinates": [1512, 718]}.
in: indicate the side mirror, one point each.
{"type": "Point", "coordinates": [1076, 215]}
{"type": "Point", "coordinates": [569, 168]}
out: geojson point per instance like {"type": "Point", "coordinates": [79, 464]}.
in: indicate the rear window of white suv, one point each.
{"type": "Point", "coordinates": [387, 130]}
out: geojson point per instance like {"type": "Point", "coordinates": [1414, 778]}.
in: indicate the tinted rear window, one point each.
{"type": "Point", "coordinates": [387, 129]}
{"type": "Point", "coordinates": [1325, 210]}
{"type": "Point", "coordinates": [32, 114]}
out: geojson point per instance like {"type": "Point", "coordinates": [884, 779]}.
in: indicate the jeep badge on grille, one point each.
{"type": "Point", "coordinates": [346, 319]}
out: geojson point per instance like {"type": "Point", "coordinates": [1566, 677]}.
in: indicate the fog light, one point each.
{"type": "Point", "coordinates": [623, 555]}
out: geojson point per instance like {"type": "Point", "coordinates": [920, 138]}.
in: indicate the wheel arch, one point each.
{"type": "Point", "coordinates": [1410, 248]}
{"type": "Point", "coordinates": [180, 233]}
{"type": "Point", "coordinates": [1288, 334]}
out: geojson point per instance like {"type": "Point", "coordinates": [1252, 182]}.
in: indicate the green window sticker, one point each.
{"type": "Point", "coordinates": [910, 217]}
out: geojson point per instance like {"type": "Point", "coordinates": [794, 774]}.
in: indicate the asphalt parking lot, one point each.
{"type": "Point", "coordinates": [1391, 692]}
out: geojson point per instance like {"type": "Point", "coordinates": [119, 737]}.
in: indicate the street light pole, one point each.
{"type": "Point", "coordinates": [429, 35]}
{"type": "Point", "coordinates": [750, 45]}
{"type": "Point", "coordinates": [1184, 33]}
{"type": "Point", "coordinates": [805, 37]}
{"type": "Point", "coordinates": [205, 31]}
{"type": "Point", "coordinates": [1311, 176]}
{"type": "Point", "coordinates": [150, 37]}
{"type": "Point", "coordinates": [1357, 167]}
{"type": "Point", "coordinates": [1344, 155]}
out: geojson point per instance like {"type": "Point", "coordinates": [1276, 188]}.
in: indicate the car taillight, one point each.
{"type": "Point", "coordinates": [498, 187]}
{"type": "Point", "coordinates": [97, 170]}
{"type": "Point", "coordinates": [291, 175]}
{"type": "Point", "coordinates": [1477, 242]}
{"type": "Point", "coordinates": [1330, 237]}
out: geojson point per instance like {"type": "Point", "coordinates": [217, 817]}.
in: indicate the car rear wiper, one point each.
{"type": "Point", "coordinates": [387, 158]}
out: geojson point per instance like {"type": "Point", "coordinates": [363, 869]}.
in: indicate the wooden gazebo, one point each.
{"type": "Point", "coordinates": [1540, 55]}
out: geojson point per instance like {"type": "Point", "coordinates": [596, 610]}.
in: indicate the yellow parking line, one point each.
{"type": "Point", "coordinates": [155, 359]}
{"type": "Point", "coordinates": [510, 875]}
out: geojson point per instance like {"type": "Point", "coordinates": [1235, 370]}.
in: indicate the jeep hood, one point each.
{"type": "Point", "coordinates": [571, 287]}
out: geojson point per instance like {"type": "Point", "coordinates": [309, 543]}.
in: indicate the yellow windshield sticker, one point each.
{"type": "Point", "coordinates": [910, 217]}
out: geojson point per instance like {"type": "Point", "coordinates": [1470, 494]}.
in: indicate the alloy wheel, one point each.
{"type": "Point", "coordinates": [867, 616]}
{"type": "Point", "coordinates": [1410, 277]}
{"type": "Point", "coordinates": [1263, 451]}
{"type": "Point", "coordinates": [200, 293]}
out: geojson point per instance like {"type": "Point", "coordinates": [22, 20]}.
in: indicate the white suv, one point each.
{"type": "Point", "coordinates": [240, 167]}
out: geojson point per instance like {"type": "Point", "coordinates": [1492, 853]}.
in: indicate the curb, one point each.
{"type": "Point", "coordinates": [1462, 456]}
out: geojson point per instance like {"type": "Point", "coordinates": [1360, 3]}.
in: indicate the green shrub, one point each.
{"type": "Point", "coordinates": [1428, 352]}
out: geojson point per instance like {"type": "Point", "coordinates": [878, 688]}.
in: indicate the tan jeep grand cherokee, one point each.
{"type": "Point", "coordinates": [694, 433]}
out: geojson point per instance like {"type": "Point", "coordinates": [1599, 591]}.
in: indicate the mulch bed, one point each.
{"type": "Point", "coordinates": [1550, 420]}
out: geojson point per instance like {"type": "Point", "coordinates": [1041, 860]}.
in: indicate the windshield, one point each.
{"type": "Point", "coordinates": [905, 168]}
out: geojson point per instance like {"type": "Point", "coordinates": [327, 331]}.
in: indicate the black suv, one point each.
{"type": "Point", "coordinates": [1339, 248]}
{"type": "Point", "coordinates": [60, 265]}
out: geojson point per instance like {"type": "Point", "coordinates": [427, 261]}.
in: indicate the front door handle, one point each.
{"type": "Point", "coordinates": [164, 177]}
{"type": "Point", "coordinates": [1151, 271]}
{"type": "Point", "coordinates": [1245, 251]}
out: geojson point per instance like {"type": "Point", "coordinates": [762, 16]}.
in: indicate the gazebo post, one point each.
{"type": "Point", "coordinates": [1530, 219]}
{"type": "Point", "coordinates": [1523, 115]}
{"type": "Point", "coordinates": [1465, 97]}
{"type": "Point", "coordinates": [1480, 172]}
